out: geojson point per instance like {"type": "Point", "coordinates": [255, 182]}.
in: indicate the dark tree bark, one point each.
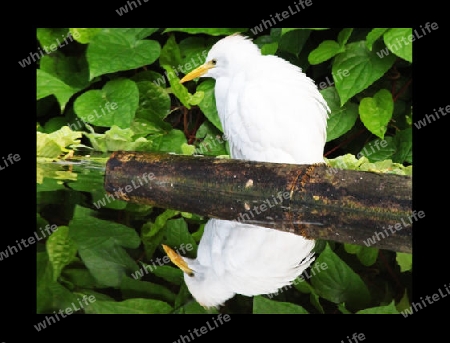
{"type": "Point", "coordinates": [314, 201]}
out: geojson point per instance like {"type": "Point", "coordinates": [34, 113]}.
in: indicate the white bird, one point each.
{"type": "Point", "coordinates": [272, 112]}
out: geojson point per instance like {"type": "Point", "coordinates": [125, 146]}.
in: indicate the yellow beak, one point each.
{"type": "Point", "coordinates": [198, 72]}
{"type": "Point", "coordinates": [178, 260]}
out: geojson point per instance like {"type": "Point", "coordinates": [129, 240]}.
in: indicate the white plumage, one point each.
{"type": "Point", "coordinates": [271, 112]}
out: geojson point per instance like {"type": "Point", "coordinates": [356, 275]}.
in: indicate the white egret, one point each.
{"type": "Point", "coordinates": [270, 111]}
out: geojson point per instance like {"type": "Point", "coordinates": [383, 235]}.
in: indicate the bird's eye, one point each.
{"type": "Point", "coordinates": [214, 61]}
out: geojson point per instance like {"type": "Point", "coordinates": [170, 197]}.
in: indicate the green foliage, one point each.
{"type": "Point", "coordinates": [339, 283]}
{"type": "Point", "coordinates": [54, 144]}
{"type": "Point", "coordinates": [61, 250]}
{"type": "Point", "coordinates": [388, 309]}
{"type": "Point", "coordinates": [152, 233]}
{"type": "Point", "coordinates": [376, 112]}
{"type": "Point", "coordinates": [115, 104]}
{"type": "Point", "coordinates": [113, 50]}
{"type": "Point", "coordinates": [341, 118]}
{"type": "Point", "coordinates": [101, 247]}
{"type": "Point", "coordinates": [366, 255]}
{"type": "Point", "coordinates": [129, 306]}
{"type": "Point", "coordinates": [118, 89]}
{"type": "Point", "coordinates": [263, 305]}
{"type": "Point", "coordinates": [393, 36]}
{"type": "Point", "coordinates": [404, 261]}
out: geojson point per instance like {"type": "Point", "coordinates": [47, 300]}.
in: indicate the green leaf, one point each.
{"type": "Point", "coordinates": [269, 48]}
{"type": "Point", "coordinates": [54, 124]}
{"type": "Point", "coordinates": [326, 50]}
{"type": "Point", "coordinates": [51, 295]}
{"type": "Point", "coordinates": [119, 139]}
{"type": "Point", "coordinates": [404, 303]}
{"type": "Point", "coordinates": [293, 41]}
{"type": "Point", "coordinates": [208, 104]}
{"type": "Point", "coordinates": [403, 144]}
{"type": "Point", "coordinates": [386, 166]}
{"type": "Point", "coordinates": [65, 137]}
{"type": "Point", "coordinates": [197, 235]}
{"type": "Point", "coordinates": [178, 89]}
{"type": "Point", "coordinates": [188, 149]}
{"type": "Point", "coordinates": [184, 304]}
{"type": "Point", "coordinates": [61, 297]}
{"type": "Point", "coordinates": [378, 149]}
{"type": "Point", "coordinates": [196, 98]}
{"type": "Point", "coordinates": [170, 274]}
{"type": "Point", "coordinates": [152, 233]}
{"type": "Point", "coordinates": [351, 248]}
{"type": "Point", "coordinates": [43, 279]}
{"type": "Point", "coordinates": [343, 36]}
{"type": "Point", "coordinates": [80, 278]}
{"type": "Point", "coordinates": [130, 306]}
{"type": "Point", "coordinates": [154, 103]}
{"type": "Point", "coordinates": [341, 119]}
{"type": "Point", "coordinates": [388, 309]}
{"type": "Point", "coordinates": [376, 112]}
{"type": "Point", "coordinates": [267, 39]}
{"type": "Point", "coordinates": [262, 305]}
{"type": "Point", "coordinates": [84, 36]}
{"type": "Point", "coordinates": [314, 298]}
{"type": "Point", "coordinates": [138, 33]}
{"type": "Point", "coordinates": [193, 307]}
{"type": "Point", "coordinates": [115, 104]}
{"type": "Point", "coordinates": [170, 53]}
{"type": "Point", "coordinates": [150, 75]}
{"type": "Point", "coordinates": [212, 143]}
{"type": "Point", "coordinates": [339, 283]}
{"type": "Point", "coordinates": [183, 297]}
{"type": "Point", "coordinates": [46, 146]}
{"type": "Point", "coordinates": [341, 307]}
{"type": "Point", "coordinates": [52, 36]}
{"type": "Point", "coordinates": [101, 246]}
{"type": "Point", "coordinates": [347, 161]}
{"type": "Point", "coordinates": [303, 286]}
{"type": "Point", "coordinates": [61, 250]}
{"type": "Point", "coordinates": [73, 71]}
{"type": "Point", "coordinates": [141, 127]}
{"type": "Point", "coordinates": [367, 256]}
{"type": "Point", "coordinates": [373, 35]}
{"type": "Point", "coordinates": [54, 144]}
{"type": "Point", "coordinates": [283, 31]}
{"type": "Point", "coordinates": [404, 260]}
{"type": "Point", "coordinates": [212, 32]}
{"type": "Point", "coordinates": [115, 50]}
{"type": "Point", "coordinates": [172, 142]}
{"type": "Point", "coordinates": [132, 288]}
{"type": "Point", "coordinates": [194, 50]}
{"type": "Point", "coordinates": [47, 84]}
{"type": "Point", "coordinates": [177, 234]}
{"type": "Point", "coordinates": [397, 40]}
{"type": "Point", "coordinates": [363, 66]}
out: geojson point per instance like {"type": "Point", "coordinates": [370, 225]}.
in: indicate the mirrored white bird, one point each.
{"type": "Point", "coordinates": [272, 112]}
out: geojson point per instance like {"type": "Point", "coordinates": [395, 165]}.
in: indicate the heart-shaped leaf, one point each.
{"type": "Point", "coordinates": [115, 50]}
{"type": "Point", "coordinates": [377, 111]}
{"type": "Point", "coordinates": [115, 104]}
{"type": "Point", "coordinates": [363, 67]}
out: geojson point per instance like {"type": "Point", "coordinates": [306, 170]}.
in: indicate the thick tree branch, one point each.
{"type": "Point", "coordinates": [315, 201]}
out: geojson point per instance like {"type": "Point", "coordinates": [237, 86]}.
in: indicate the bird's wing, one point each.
{"type": "Point", "coordinates": [243, 256]}
{"type": "Point", "coordinates": [277, 117]}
